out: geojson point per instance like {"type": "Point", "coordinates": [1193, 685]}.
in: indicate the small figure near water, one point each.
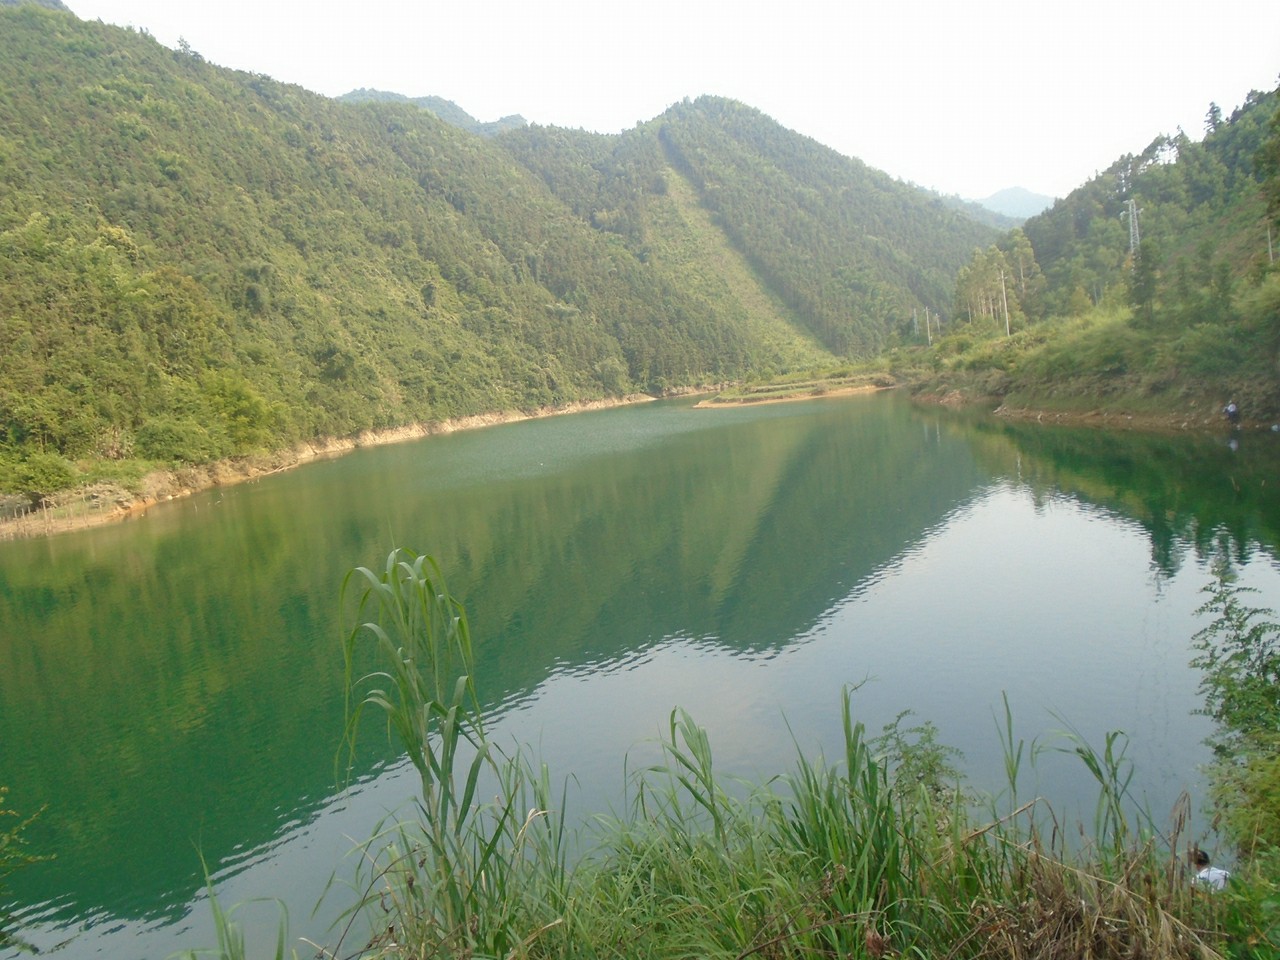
{"type": "Point", "coordinates": [1207, 875]}
{"type": "Point", "coordinates": [1232, 412]}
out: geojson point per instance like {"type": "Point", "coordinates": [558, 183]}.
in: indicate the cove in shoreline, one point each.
{"type": "Point", "coordinates": [103, 503]}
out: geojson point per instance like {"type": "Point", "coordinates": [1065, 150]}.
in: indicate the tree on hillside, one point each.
{"type": "Point", "coordinates": [999, 286]}
{"type": "Point", "coordinates": [1143, 282]}
{"type": "Point", "coordinates": [1268, 163]}
{"type": "Point", "coordinates": [1025, 271]}
{"type": "Point", "coordinates": [982, 288]}
{"type": "Point", "coordinates": [1213, 119]}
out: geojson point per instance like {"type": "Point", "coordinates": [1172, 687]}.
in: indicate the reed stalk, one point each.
{"type": "Point", "coordinates": [453, 875]}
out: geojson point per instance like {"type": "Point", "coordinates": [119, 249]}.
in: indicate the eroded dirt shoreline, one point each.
{"type": "Point", "coordinates": [1175, 421]}
{"type": "Point", "coordinates": [712, 403]}
{"type": "Point", "coordinates": [104, 503]}
{"type": "Point", "coordinates": [1202, 418]}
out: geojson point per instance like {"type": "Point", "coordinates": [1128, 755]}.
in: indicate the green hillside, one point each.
{"type": "Point", "coordinates": [1153, 289]}
{"type": "Point", "coordinates": [198, 263]}
{"type": "Point", "coordinates": [1199, 205]}
{"type": "Point", "coordinates": [51, 4]}
{"type": "Point", "coordinates": [849, 253]}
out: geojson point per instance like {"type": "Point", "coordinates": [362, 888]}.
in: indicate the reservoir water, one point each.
{"type": "Point", "coordinates": [171, 687]}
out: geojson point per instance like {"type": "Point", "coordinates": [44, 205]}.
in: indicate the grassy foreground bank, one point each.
{"type": "Point", "coordinates": [880, 853]}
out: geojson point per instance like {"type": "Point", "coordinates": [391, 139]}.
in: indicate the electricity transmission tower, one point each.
{"type": "Point", "coordinates": [1135, 240]}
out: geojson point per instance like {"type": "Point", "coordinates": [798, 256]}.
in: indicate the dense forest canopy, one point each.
{"type": "Point", "coordinates": [1194, 210]}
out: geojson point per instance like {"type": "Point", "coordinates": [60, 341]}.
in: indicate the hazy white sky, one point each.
{"type": "Point", "coordinates": [961, 97]}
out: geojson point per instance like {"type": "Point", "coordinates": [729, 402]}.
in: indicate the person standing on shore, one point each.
{"type": "Point", "coordinates": [1207, 875]}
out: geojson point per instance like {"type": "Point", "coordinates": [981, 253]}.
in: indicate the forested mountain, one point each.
{"type": "Point", "coordinates": [1184, 220]}
{"type": "Point", "coordinates": [51, 4]}
{"type": "Point", "coordinates": [198, 263]}
{"type": "Point", "coordinates": [851, 253]}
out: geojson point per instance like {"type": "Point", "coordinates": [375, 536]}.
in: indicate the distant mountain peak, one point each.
{"type": "Point", "coordinates": [446, 110]}
{"type": "Point", "coordinates": [50, 4]}
{"type": "Point", "coordinates": [1017, 202]}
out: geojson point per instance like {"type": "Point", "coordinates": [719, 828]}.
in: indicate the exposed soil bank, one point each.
{"type": "Point", "coordinates": [810, 395]}
{"type": "Point", "coordinates": [103, 503]}
{"type": "Point", "coordinates": [1111, 420]}
{"type": "Point", "coordinates": [1200, 416]}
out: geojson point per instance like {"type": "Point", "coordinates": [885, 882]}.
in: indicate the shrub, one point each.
{"type": "Point", "coordinates": [41, 475]}
{"type": "Point", "coordinates": [173, 439]}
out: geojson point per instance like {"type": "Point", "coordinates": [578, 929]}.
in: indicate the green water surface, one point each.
{"type": "Point", "coordinates": [170, 687]}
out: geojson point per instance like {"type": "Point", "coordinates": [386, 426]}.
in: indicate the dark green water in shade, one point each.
{"type": "Point", "coordinates": [171, 687]}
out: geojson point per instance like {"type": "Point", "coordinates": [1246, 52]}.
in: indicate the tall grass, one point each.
{"type": "Point", "coordinates": [452, 880]}
{"type": "Point", "coordinates": [232, 944]}
{"type": "Point", "coordinates": [1239, 656]}
{"type": "Point", "coordinates": [878, 853]}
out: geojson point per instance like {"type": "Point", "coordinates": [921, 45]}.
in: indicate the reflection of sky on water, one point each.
{"type": "Point", "coordinates": [977, 609]}
{"type": "Point", "coordinates": [983, 606]}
